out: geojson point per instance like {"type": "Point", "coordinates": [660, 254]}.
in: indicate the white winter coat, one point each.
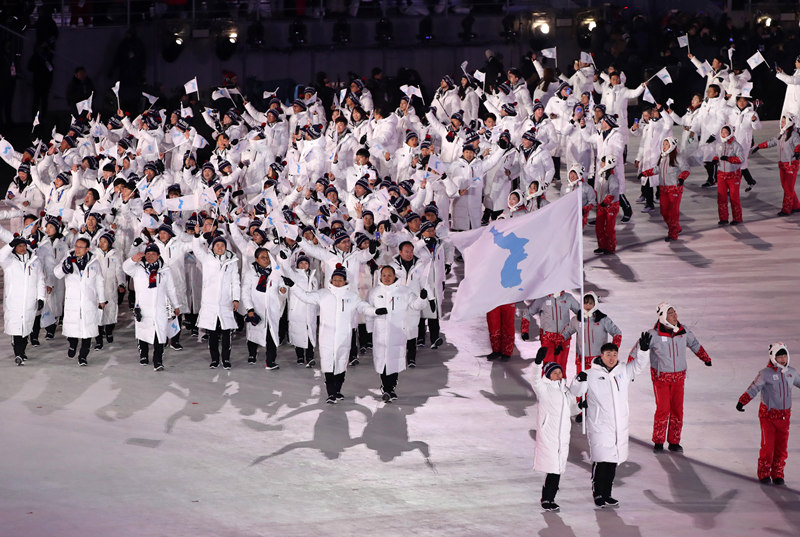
{"type": "Point", "coordinates": [466, 209]}
{"type": "Point", "coordinates": [556, 403]}
{"type": "Point", "coordinates": [607, 414]}
{"type": "Point", "coordinates": [338, 307]}
{"type": "Point", "coordinates": [303, 316]}
{"type": "Point", "coordinates": [220, 287]}
{"type": "Point", "coordinates": [113, 276]}
{"type": "Point", "coordinates": [156, 303]}
{"type": "Point", "coordinates": [23, 285]}
{"type": "Point", "coordinates": [267, 304]}
{"type": "Point", "coordinates": [84, 291]}
{"type": "Point", "coordinates": [390, 332]}
{"type": "Point", "coordinates": [791, 101]}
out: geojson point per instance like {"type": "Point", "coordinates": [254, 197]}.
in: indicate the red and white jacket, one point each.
{"type": "Point", "coordinates": [553, 311]}
{"type": "Point", "coordinates": [775, 385]}
{"type": "Point", "coordinates": [731, 149]}
{"type": "Point", "coordinates": [788, 145]}
{"type": "Point", "coordinates": [668, 349]}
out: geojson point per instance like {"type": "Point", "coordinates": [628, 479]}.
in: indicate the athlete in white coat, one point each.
{"type": "Point", "coordinates": [605, 385]}
{"type": "Point", "coordinates": [338, 307]}
{"type": "Point", "coordinates": [392, 331]}
{"type": "Point", "coordinates": [263, 297]}
{"type": "Point", "coordinates": [791, 101]}
{"type": "Point", "coordinates": [23, 292]}
{"type": "Point", "coordinates": [84, 298]}
{"type": "Point", "coordinates": [110, 261]}
{"type": "Point", "coordinates": [155, 301]}
{"type": "Point", "coordinates": [303, 317]}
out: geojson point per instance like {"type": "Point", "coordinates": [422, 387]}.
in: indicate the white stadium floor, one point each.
{"type": "Point", "coordinates": [115, 449]}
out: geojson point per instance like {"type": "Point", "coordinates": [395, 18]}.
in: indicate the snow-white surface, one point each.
{"type": "Point", "coordinates": [115, 449]}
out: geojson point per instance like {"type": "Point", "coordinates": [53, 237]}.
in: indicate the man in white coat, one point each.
{"type": "Point", "coordinates": [263, 297]}
{"type": "Point", "coordinates": [338, 307]}
{"type": "Point", "coordinates": [791, 101]}
{"type": "Point", "coordinates": [23, 292]}
{"type": "Point", "coordinates": [155, 296]}
{"type": "Point", "coordinates": [605, 385]}
{"type": "Point", "coordinates": [84, 298]}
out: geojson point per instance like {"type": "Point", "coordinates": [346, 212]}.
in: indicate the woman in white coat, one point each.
{"type": "Point", "coordinates": [155, 298]}
{"type": "Point", "coordinates": [392, 330]}
{"type": "Point", "coordinates": [51, 250]}
{"type": "Point", "coordinates": [263, 298]}
{"type": "Point", "coordinates": [220, 296]}
{"type": "Point", "coordinates": [110, 260]}
{"type": "Point", "coordinates": [302, 316]}
{"type": "Point", "coordinates": [605, 385]}
{"type": "Point", "coordinates": [173, 252]}
{"type": "Point", "coordinates": [84, 298]}
{"type": "Point", "coordinates": [338, 306]}
{"type": "Point", "coordinates": [23, 291]}
{"type": "Point", "coordinates": [440, 251]}
{"type": "Point", "coordinates": [556, 404]}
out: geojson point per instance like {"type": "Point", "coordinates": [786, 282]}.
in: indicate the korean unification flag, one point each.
{"type": "Point", "coordinates": [191, 86]}
{"type": "Point", "coordinates": [683, 41]}
{"type": "Point", "coordinates": [183, 203]}
{"type": "Point", "coordinates": [85, 105]}
{"type": "Point", "coordinates": [647, 96]}
{"type": "Point", "coordinates": [199, 142]}
{"type": "Point", "coordinates": [479, 76]}
{"type": "Point", "coordinates": [150, 98]}
{"type": "Point", "coordinates": [209, 196]}
{"type": "Point", "coordinates": [520, 258]}
{"type": "Point", "coordinates": [549, 53]}
{"type": "Point", "coordinates": [586, 58]}
{"type": "Point", "coordinates": [663, 76]}
{"type": "Point", "coordinates": [755, 60]}
{"type": "Point", "coordinates": [174, 327]}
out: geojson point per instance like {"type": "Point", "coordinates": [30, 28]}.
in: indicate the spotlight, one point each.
{"type": "Point", "coordinates": [341, 31]}
{"type": "Point", "coordinates": [541, 26]}
{"type": "Point", "coordinates": [591, 24]}
{"type": "Point", "coordinates": [233, 37]}
{"type": "Point", "coordinates": [178, 40]}
{"type": "Point", "coordinates": [766, 20]}
{"type": "Point", "coordinates": [384, 31]}
{"type": "Point", "coordinates": [509, 33]}
{"type": "Point", "coordinates": [172, 47]}
{"type": "Point", "coordinates": [425, 29]}
{"type": "Point", "coordinates": [297, 33]}
{"type": "Point", "coordinates": [227, 43]}
{"type": "Point", "coordinates": [466, 28]}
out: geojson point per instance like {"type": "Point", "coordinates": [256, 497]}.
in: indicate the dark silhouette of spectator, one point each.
{"type": "Point", "coordinates": [41, 65]}
{"type": "Point", "coordinates": [46, 27]}
{"type": "Point", "coordinates": [130, 61]}
{"type": "Point", "coordinates": [9, 65]}
{"type": "Point", "coordinates": [79, 89]}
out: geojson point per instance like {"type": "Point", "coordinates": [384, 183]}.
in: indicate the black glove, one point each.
{"type": "Point", "coordinates": [447, 268]}
{"type": "Point", "coordinates": [137, 241]}
{"type": "Point", "coordinates": [724, 157]}
{"type": "Point", "coordinates": [540, 354]}
{"type": "Point", "coordinates": [525, 336]}
{"type": "Point", "coordinates": [381, 311]}
{"type": "Point", "coordinates": [644, 341]}
{"type": "Point", "coordinates": [755, 150]}
{"type": "Point", "coordinates": [288, 281]}
{"type": "Point", "coordinates": [423, 294]}
{"type": "Point", "coordinates": [432, 304]}
{"type": "Point", "coordinates": [582, 377]}
{"type": "Point", "coordinates": [708, 363]}
{"type": "Point", "coordinates": [283, 255]}
{"type": "Point", "coordinates": [373, 246]}
{"type": "Point", "coordinates": [711, 139]}
{"type": "Point", "coordinates": [583, 404]}
{"type": "Point", "coordinates": [299, 238]}
{"type": "Point", "coordinates": [603, 204]}
{"type": "Point", "coordinates": [66, 266]}
{"type": "Point", "coordinates": [394, 218]}
{"type": "Point", "coordinates": [681, 181]}
{"type": "Point", "coordinates": [451, 136]}
{"type": "Point", "coordinates": [740, 407]}
{"type": "Point", "coordinates": [363, 140]}
{"type": "Point", "coordinates": [432, 110]}
{"type": "Point", "coordinates": [795, 156]}
{"type": "Point", "coordinates": [558, 350]}
{"type": "Point", "coordinates": [39, 304]}
{"type": "Point", "coordinates": [137, 314]}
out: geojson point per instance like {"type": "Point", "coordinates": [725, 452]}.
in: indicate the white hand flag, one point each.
{"type": "Point", "coordinates": [268, 94]}
{"type": "Point", "coordinates": [199, 142]}
{"type": "Point", "coordinates": [479, 76]}
{"type": "Point", "coordinates": [184, 203]}
{"type": "Point", "coordinates": [150, 98]}
{"type": "Point", "coordinates": [191, 86]}
{"type": "Point", "coordinates": [587, 58]}
{"type": "Point", "coordinates": [549, 53]}
{"type": "Point", "coordinates": [85, 105]}
{"type": "Point", "coordinates": [464, 66]}
{"type": "Point", "coordinates": [755, 60]}
{"type": "Point", "coordinates": [683, 41]}
{"type": "Point", "coordinates": [663, 76]}
{"type": "Point", "coordinates": [648, 96]}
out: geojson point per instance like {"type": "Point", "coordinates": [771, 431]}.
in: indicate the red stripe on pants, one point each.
{"type": "Point", "coordinates": [788, 171]}
{"type": "Point", "coordinates": [670, 200]}
{"type": "Point", "coordinates": [551, 340]}
{"type": "Point", "coordinates": [668, 389]}
{"type": "Point", "coordinates": [501, 329]}
{"type": "Point", "coordinates": [605, 226]}
{"type": "Point", "coordinates": [774, 440]}
{"type": "Point", "coordinates": [728, 186]}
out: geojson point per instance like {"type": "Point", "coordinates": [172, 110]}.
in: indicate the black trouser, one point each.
{"type": "Point", "coordinates": [647, 194]}
{"type": "Point", "coordinates": [191, 319]}
{"type": "Point", "coordinates": [411, 351]}
{"type": "Point", "coordinates": [131, 293]}
{"type": "Point", "coordinates": [37, 326]}
{"type": "Point", "coordinates": [433, 326]}
{"type": "Point", "coordinates": [239, 321]}
{"type": "Point", "coordinates": [711, 171]}
{"type": "Point", "coordinates": [158, 351]}
{"type": "Point", "coordinates": [86, 344]}
{"type": "Point", "coordinates": [353, 346]}
{"type": "Point", "coordinates": [364, 337]}
{"type": "Point", "coordinates": [625, 205]}
{"type": "Point", "coordinates": [748, 177]}
{"type": "Point", "coordinates": [333, 383]}
{"type": "Point", "coordinates": [550, 487]}
{"type": "Point", "coordinates": [272, 349]}
{"type": "Point", "coordinates": [215, 337]}
{"type": "Point", "coordinates": [306, 354]}
{"type": "Point", "coordinates": [177, 337]}
{"type": "Point", "coordinates": [283, 326]}
{"type": "Point", "coordinates": [603, 478]}
{"type": "Point", "coordinates": [388, 382]}
{"type": "Point", "coordinates": [19, 343]}
{"type": "Point", "coordinates": [106, 330]}
{"type": "Point", "coordinates": [557, 166]}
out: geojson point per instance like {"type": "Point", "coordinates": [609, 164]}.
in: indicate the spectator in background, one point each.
{"type": "Point", "coordinates": [41, 65]}
{"type": "Point", "coordinates": [79, 89]}
{"type": "Point", "coordinates": [8, 81]}
{"type": "Point", "coordinates": [46, 27]}
{"type": "Point", "coordinates": [130, 61]}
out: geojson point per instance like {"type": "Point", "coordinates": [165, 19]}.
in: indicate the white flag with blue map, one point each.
{"type": "Point", "coordinates": [520, 258]}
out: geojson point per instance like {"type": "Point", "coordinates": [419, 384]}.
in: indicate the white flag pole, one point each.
{"type": "Point", "coordinates": [579, 201]}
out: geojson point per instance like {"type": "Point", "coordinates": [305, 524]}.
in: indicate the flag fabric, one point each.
{"type": "Point", "coordinates": [199, 142]}
{"type": "Point", "coordinates": [464, 66]}
{"type": "Point", "coordinates": [209, 196]}
{"type": "Point", "coordinates": [521, 258]}
{"type": "Point", "coordinates": [150, 98]}
{"type": "Point", "coordinates": [730, 57]}
{"type": "Point", "coordinates": [479, 76]}
{"type": "Point", "coordinates": [268, 94]}
{"type": "Point", "coordinates": [647, 96]}
{"type": "Point", "coordinates": [549, 53]}
{"type": "Point", "coordinates": [410, 91]}
{"type": "Point", "coordinates": [220, 93]}
{"type": "Point", "coordinates": [177, 137]}
{"type": "Point", "coordinates": [7, 151]}
{"type": "Point", "coordinates": [85, 105]}
{"type": "Point", "coordinates": [115, 88]}
{"type": "Point", "coordinates": [183, 203]}
{"type": "Point", "coordinates": [755, 60]}
{"type": "Point", "coordinates": [586, 58]}
{"type": "Point", "coordinates": [191, 86]}
{"type": "Point", "coordinates": [704, 68]}
{"type": "Point", "coordinates": [174, 327]}
{"type": "Point", "coordinates": [36, 120]}
{"type": "Point", "coordinates": [186, 112]}
{"type": "Point", "coordinates": [683, 41]}
{"type": "Point", "coordinates": [663, 76]}
{"type": "Point", "coordinates": [148, 221]}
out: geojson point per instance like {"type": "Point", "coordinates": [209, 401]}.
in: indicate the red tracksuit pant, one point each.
{"type": "Point", "coordinates": [668, 389]}
{"type": "Point", "coordinates": [605, 226]}
{"type": "Point", "coordinates": [788, 171]}
{"type": "Point", "coordinates": [774, 439]}
{"type": "Point", "coordinates": [501, 329]}
{"type": "Point", "coordinates": [728, 186]}
{"type": "Point", "coordinates": [670, 199]}
{"type": "Point", "coordinates": [551, 340]}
